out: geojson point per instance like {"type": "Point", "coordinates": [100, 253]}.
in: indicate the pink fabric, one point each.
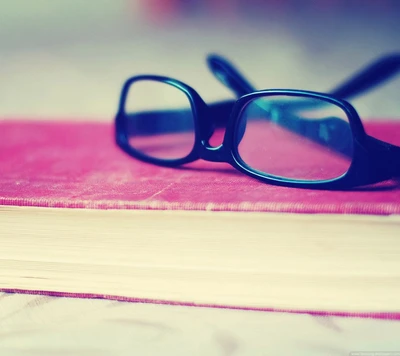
{"type": "Point", "coordinates": [78, 165]}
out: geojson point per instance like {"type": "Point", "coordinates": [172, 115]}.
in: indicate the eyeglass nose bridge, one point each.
{"type": "Point", "coordinates": [214, 154]}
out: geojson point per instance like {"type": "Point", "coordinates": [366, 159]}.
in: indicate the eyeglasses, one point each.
{"type": "Point", "coordinates": [294, 138]}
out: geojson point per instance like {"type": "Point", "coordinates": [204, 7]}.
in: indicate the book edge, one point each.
{"type": "Point", "coordinates": [353, 208]}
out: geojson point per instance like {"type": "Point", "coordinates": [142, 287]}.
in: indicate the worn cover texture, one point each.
{"type": "Point", "coordinates": [77, 164]}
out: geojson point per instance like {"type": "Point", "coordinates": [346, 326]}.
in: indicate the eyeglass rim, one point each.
{"type": "Point", "coordinates": [230, 153]}
{"type": "Point", "coordinates": [197, 105]}
{"type": "Point", "coordinates": [356, 127]}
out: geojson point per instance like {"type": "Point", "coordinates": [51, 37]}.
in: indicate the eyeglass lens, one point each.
{"type": "Point", "coordinates": [160, 122]}
{"type": "Point", "coordinates": [292, 137]}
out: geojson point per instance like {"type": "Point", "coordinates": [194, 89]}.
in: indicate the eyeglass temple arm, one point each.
{"type": "Point", "coordinates": [176, 120]}
{"type": "Point", "coordinates": [384, 159]}
{"type": "Point", "coordinates": [229, 76]}
{"type": "Point", "coordinates": [367, 78]}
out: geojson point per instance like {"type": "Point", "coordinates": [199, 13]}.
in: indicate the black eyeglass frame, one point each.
{"type": "Point", "coordinates": [372, 160]}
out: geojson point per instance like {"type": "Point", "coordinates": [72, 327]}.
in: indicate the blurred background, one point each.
{"type": "Point", "coordinates": [69, 58]}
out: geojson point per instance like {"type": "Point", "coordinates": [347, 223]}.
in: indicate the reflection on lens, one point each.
{"type": "Point", "coordinates": [160, 122]}
{"type": "Point", "coordinates": [292, 137]}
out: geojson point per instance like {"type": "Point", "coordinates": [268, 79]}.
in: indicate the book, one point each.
{"type": "Point", "coordinates": [78, 217]}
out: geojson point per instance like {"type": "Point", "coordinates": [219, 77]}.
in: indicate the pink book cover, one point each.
{"type": "Point", "coordinates": [78, 165]}
{"type": "Point", "coordinates": [72, 164]}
